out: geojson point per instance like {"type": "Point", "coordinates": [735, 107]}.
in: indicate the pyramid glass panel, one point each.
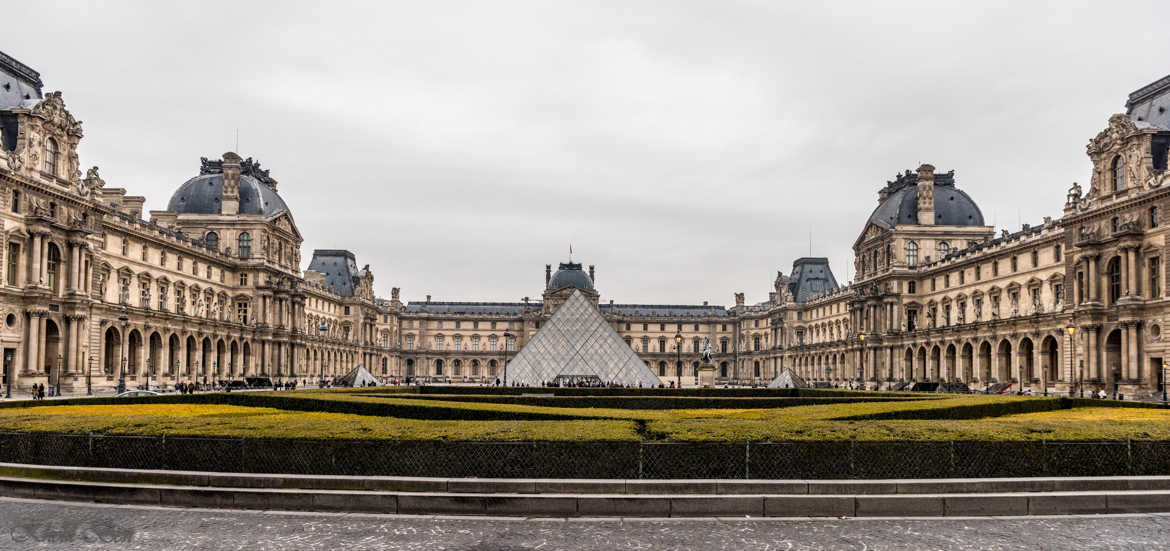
{"type": "Point", "coordinates": [578, 342]}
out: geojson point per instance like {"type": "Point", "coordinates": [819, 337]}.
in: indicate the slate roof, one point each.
{"type": "Point", "coordinates": [666, 310]}
{"type": "Point", "coordinates": [472, 308]}
{"type": "Point", "coordinates": [1151, 104]}
{"type": "Point", "coordinates": [810, 276]}
{"type": "Point", "coordinates": [570, 274]}
{"type": "Point", "coordinates": [203, 194]}
{"type": "Point", "coordinates": [19, 84]}
{"type": "Point", "coordinates": [340, 269]}
{"type": "Point", "coordinates": [952, 206]}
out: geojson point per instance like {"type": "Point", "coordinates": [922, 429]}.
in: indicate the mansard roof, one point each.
{"type": "Point", "coordinates": [472, 308]}
{"type": "Point", "coordinates": [19, 84]}
{"type": "Point", "coordinates": [340, 269]}
{"type": "Point", "coordinates": [811, 276]}
{"type": "Point", "coordinates": [1151, 104]}
{"type": "Point", "coordinates": [666, 310]}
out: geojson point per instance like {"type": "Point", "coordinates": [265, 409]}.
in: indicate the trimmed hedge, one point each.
{"type": "Point", "coordinates": [661, 402]}
{"type": "Point", "coordinates": [712, 392]}
{"type": "Point", "coordinates": [649, 460]}
{"type": "Point", "coordinates": [996, 409]}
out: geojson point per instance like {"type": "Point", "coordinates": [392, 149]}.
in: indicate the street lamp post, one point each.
{"type": "Point", "coordinates": [678, 358]}
{"type": "Point", "coordinates": [1072, 345]}
{"type": "Point", "coordinates": [124, 320]}
{"type": "Point", "coordinates": [323, 329]}
{"type": "Point", "coordinates": [1164, 366]}
{"type": "Point", "coordinates": [507, 336]}
{"type": "Point", "coordinates": [149, 365]}
{"type": "Point", "coordinates": [57, 385]}
{"type": "Point", "coordinates": [89, 377]}
{"type": "Point", "coordinates": [861, 364]}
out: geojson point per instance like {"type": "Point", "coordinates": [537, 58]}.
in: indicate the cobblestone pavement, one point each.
{"type": "Point", "coordinates": [30, 524]}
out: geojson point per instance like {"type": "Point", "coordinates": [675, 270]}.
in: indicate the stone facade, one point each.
{"type": "Point", "coordinates": [211, 289]}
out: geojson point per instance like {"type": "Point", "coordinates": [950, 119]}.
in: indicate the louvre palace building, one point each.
{"type": "Point", "coordinates": [96, 291]}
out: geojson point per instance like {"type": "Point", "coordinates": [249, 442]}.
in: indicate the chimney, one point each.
{"type": "Point", "coordinates": [591, 278]}
{"type": "Point", "coordinates": [230, 203]}
{"type": "Point", "coordinates": [547, 274]}
{"type": "Point", "coordinates": [926, 195]}
{"type": "Point", "coordinates": [704, 303]}
{"type": "Point", "coordinates": [428, 299]}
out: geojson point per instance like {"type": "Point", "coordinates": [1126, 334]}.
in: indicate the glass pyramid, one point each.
{"type": "Point", "coordinates": [788, 379]}
{"type": "Point", "coordinates": [577, 343]}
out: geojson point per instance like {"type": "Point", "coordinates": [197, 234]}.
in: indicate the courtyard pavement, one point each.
{"type": "Point", "coordinates": [32, 524]}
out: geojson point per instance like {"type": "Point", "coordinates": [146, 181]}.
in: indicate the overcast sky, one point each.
{"type": "Point", "coordinates": [688, 149]}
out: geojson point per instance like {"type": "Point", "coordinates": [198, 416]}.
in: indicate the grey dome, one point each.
{"type": "Point", "coordinates": [203, 195]}
{"type": "Point", "coordinates": [952, 206]}
{"type": "Point", "coordinates": [570, 275]}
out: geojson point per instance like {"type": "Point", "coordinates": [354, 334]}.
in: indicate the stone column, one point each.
{"type": "Point", "coordinates": [34, 342]}
{"type": "Point", "coordinates": [70, 337]}
{"type": "Point", "coordinates": [1123, 261]}
{"type": "Point", "coordinates": [34, 266]}
{"type": "Point", "coordinates": [1123, 354]}
{"type": "Point", "coordinates": [1133, 272]}
{"type": "Point", "coordinates": [1092, 361]}
{"type": "Point", "coordinates": [1132, 356]}
{"type": "Point", "coordinates": [1094, 283]}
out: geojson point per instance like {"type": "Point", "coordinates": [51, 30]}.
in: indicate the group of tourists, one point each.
{"type": "Point", "coordinates": [38, 391]}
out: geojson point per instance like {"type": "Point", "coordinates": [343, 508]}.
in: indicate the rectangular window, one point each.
{"type": "Point", "coordinates": [911, 287]}
{"type": "Point", "coordinates": [911, 319]}
{"type": "Point", "coordinates": [1015, 264]}
{"type": "Point", "coordinates": [947, 281]}
{"type": "Point", "coordinates": [242, 313]}
{"type": "Point", "coordinates": [978, 272]}
{"type": "Point", "coordinates": [1056, 254]}
{"type": "Point", "coordinates": [933, 284]}
{"type": "Point", "coordinates": [145, 252]}
{"type": "Point", "coordinates": [125, 246]}
{"type": "Point", "coordinates": [13, 262]}
{"type": "Point", "coordinates": [995, 268]}
{"type": "Point", "coordinates": [16, 200]}
{"type": "Point", "coordinates": [410, 342]}
{"type": "Point", "coordinates": [179, 263]}
{"type": "Point", "coordinates": [162, 258]}
{"type": "Point", "coordinates": [1155, 264]}
{"type": "Point", "coordinates": [1035, 259]}
{"type": "Point", "coordinates": [243, 280]}
{"type": "Point", "coordinates": [962, 277]}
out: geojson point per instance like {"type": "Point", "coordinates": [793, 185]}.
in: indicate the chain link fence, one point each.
{"type": "Point", "coordinates": [648, 460]}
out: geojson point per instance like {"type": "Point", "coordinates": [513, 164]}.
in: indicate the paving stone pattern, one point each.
{"type": "Point", "coordinates": [30, 524]}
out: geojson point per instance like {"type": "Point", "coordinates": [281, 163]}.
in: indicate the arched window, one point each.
{"type": "Point", "coordinates": [438, 367]}
{"type": "Point", "coordinates": [492, 368]}
{"type": "Point", "coordinates": [54, 267]}
{"type": "Point", "coordinates": [52, 155]}
{"type": "Point", "coordinates": [943, 248]}
{"type": "Point", "coordinates": [661, 369]}
{"type": "Point", "coordinates": [1117, 179]}
{"type": "Point", "coordinates": [211, 240]}
{"type": "Point", "coordinates": [911, 254]}
{"type": "Point", "coordinates": [244, 245]}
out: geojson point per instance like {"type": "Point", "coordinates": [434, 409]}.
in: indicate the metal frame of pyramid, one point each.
{"type": "Point", "coordinates": [788, 379]}
{"type": "Point", "coordinates": [577, 342]}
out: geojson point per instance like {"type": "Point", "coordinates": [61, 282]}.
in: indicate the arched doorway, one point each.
{"type": "Point", "coordinates": [1004, 358]}
{"type": "Point", "coordinates": [246, 368]}
{"type": "Point", "coordinates": [53, 349]}
{"type": "Point", "coordinates": [204, 365]}
{"type": "Point", "coordinates": [907, 364]}
{"type": "Point", "coordinates": [457, 368]}
{"type": "Point", "coordinates": [920, 366]}
{"type": "Point", "coordinates": [173, 356]}
{"type": "Point", "coordinates": [723, 369]}
{"type": "Point", "coordinates": [1112, 373]}
{"type": "Point", "coordinates": [134, 353]}
{"type": "Point", "coordinates": [154, 354]}
{"type": "Point", "coordinates": [410, 367]}
{"type": "Point", "coordinates": [474, 367]}
{"type": "Point", "coordinates": [985, 361]}
{"type": "Point", "coordinates": [1026, 361]}
{"type": "Point", "coordinates": [112, 356]}
{"type": "Point", "coordinates": [935, 363]}
{"type": "Point", "coordinates": [192, 357]}
{"type": "Point", "coordinates": [220, 366]}
{"type": "Point", "coordinates": [233, 359]}
{"type": "Point", "coordinates": [661, 369]}
{"type": "Point", "coordinates": [966, 361]}
{"type": "Point", "coordinates": [439, 368]}
{"type": "Point", "coordinates": [951, 372]}
{"type": "Point", "coordinates": [1050, 350]}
